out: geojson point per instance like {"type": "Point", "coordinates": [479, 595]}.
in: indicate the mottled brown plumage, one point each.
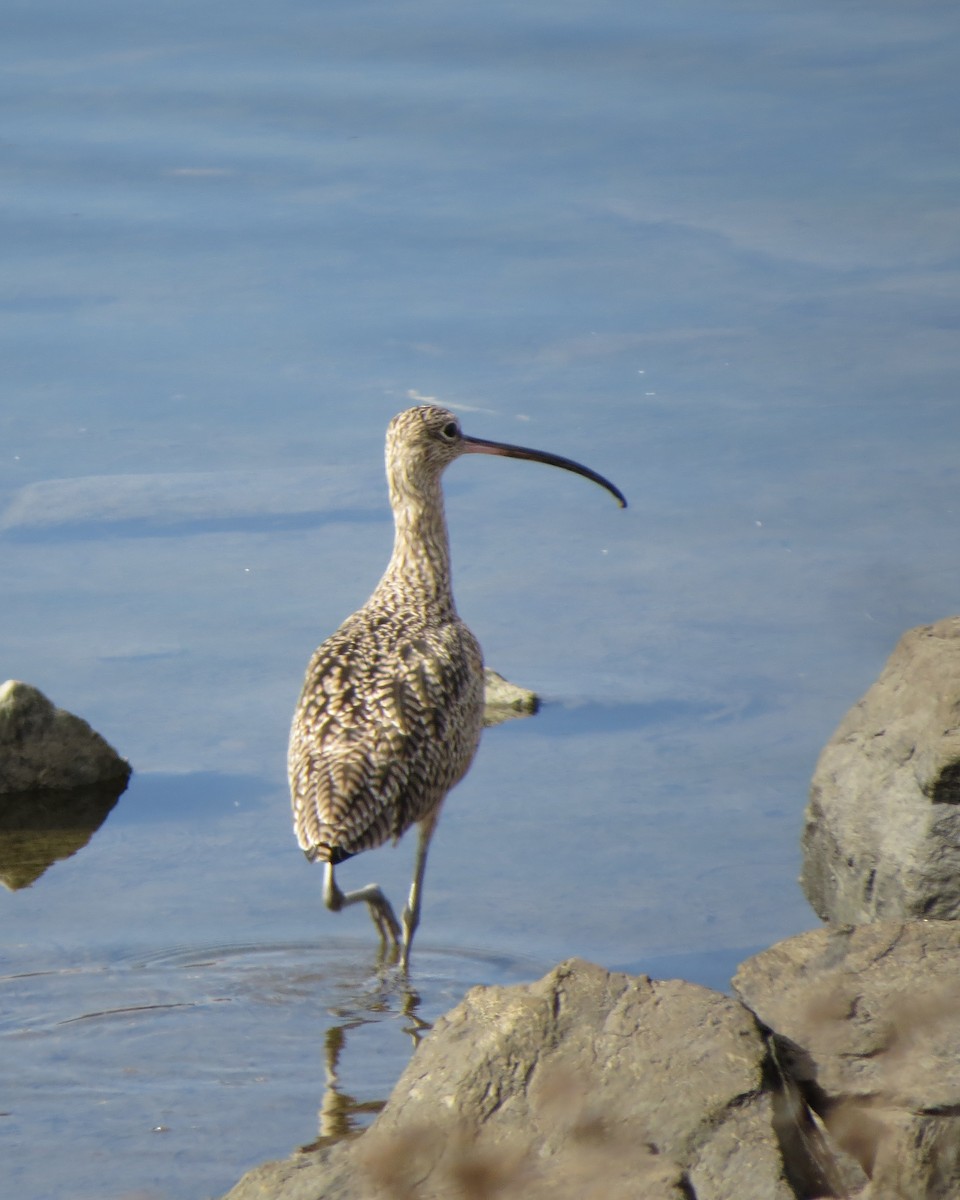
{"type": "Point", "coordinates": [391, 709]}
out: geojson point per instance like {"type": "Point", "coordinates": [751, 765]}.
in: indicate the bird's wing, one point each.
{"type": "Point", "coordinates": [388, 722]}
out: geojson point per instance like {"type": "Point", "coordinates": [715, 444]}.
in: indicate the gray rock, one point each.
{"type": "Point", "coordinates": [586, 1084]}
{"type": "Point", "coordinates": [867, 1023]}
{"type": "Point", "coordinates": [42, 746]}
{"type": "Point", "coordinates": [882, 832]}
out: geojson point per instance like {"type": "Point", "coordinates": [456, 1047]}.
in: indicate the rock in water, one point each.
{"type": "Point", "coordinates": [882, 834]}
{"type": "Point", "coordinates": [588, 1083]}
{"type": "Point", "coordinates": [837, 1075]}
{"type": "Point", "coordinates": [505, 701]}
{"type": "Point", "coordinates": [42, 746]}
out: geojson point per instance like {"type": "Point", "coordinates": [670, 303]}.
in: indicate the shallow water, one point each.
{"type": "Point", "coordinates": [193, 1064]}
{"type": "Point", "coordinates": [708, 249]}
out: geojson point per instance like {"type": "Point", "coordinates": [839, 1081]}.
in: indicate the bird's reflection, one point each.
{"type": "Point", "coordinates": [39, 828]}
{"type": "Point", "coordinates": [342, 1115]}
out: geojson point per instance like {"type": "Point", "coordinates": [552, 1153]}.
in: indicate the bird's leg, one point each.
{"type": "Point", "coordinates": [380, 910]}
{"type": "Point", "coordinates": [411, 914]}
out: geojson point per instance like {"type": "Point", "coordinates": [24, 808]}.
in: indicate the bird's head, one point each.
{"type": "Point", "coordinates": [422, 441]}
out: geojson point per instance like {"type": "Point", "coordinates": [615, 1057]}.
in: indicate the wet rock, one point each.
{"type": "Point", "coordinates": [867, 1023]}
{"type": "Point", "coordinates": [42, 746]}
{"type": "Point", "coordinates": [882, 833]}
{"type": "Point", "coordinates": [505, 701]}
{"type": "Point", "coordinates": [586, 1084]}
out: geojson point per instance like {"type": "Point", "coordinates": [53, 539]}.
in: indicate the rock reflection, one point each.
{"type": "Point", "coordinates": [41, 827]}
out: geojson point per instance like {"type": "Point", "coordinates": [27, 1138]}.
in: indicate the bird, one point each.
{"type": "Point", "coordinates": [391, 710]}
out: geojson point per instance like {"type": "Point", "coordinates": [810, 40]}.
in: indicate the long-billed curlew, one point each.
{"type": "Point", "coordinates": [392, 706]}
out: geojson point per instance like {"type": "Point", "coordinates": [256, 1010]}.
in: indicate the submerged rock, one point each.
{"type": "Point", "coordinates": [882, 833]}
{"type": "Point", "coordinates": [42, 746]}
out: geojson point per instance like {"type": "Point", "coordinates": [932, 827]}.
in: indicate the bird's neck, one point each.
{"type": "Point", "coordinates": [419, 567]}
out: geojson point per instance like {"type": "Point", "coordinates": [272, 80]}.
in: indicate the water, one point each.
{"type": "Point", "coordinates": [708, 249]}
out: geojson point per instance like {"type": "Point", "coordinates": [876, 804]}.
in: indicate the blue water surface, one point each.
{"type": "Point", "coordinates": [709, 249]}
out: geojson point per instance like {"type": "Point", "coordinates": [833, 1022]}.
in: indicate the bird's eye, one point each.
{"type": "Point", "coordinates": [450, 431]}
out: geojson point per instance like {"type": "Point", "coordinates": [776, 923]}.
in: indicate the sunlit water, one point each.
{"type": "Point", "coordinates": [194, 1063]}
{"type": "Point", "coordinates": [708, 249]}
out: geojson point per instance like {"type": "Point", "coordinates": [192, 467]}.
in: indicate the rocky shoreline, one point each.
{"type": "Point", "coordinates": [822, 1077]}
{"type": "Point", "coordinates": [833, 1071]}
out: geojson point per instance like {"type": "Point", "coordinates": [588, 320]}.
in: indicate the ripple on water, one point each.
{"type": "Point", "coordinates": [175, 1041]}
